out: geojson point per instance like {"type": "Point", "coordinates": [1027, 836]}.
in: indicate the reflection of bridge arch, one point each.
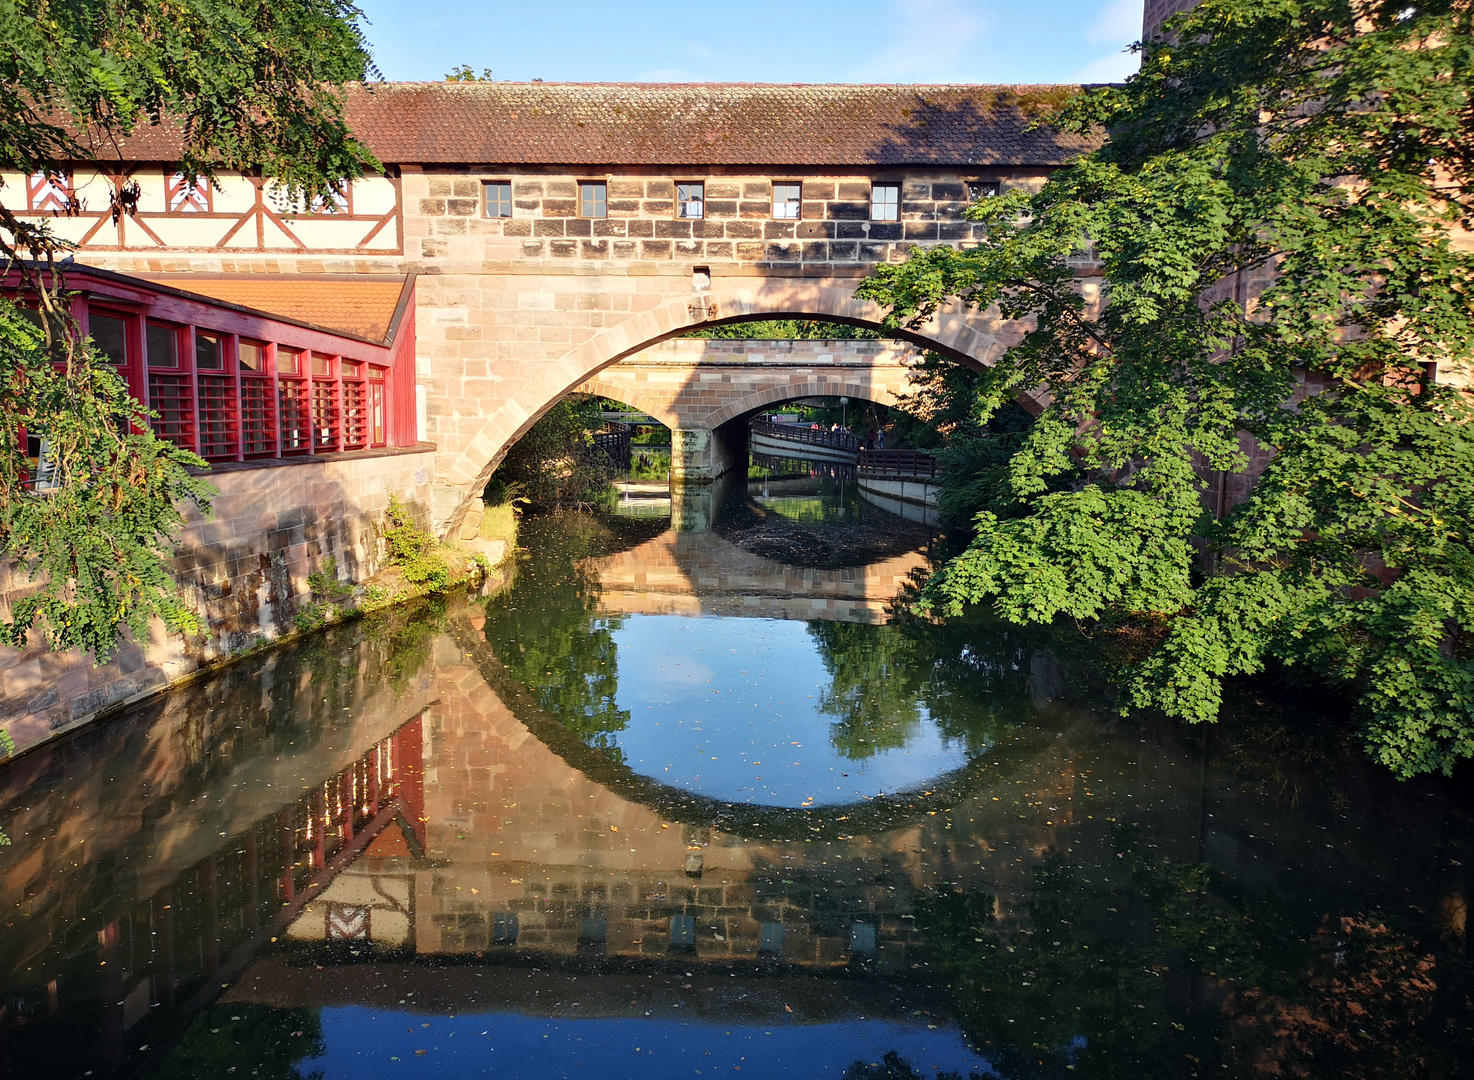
{"type": "Point", "coordinates": [971, 337]}
{"type": "Point", "coordinates": [702, 573]}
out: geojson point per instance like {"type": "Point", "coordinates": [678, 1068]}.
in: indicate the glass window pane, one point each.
{"type": "Point", "coordinates": [351, 368]}
{"type": "Point", "coordinates": [885, 202]}
{"type": "Point", "coordinates": [322, 365]}
{"type": "Point", "coordinates": [208, 354]}
{"type": "Point", "coordinates": [499, 199]}
{"type": "Point", "coordinates": [690, 200]}
{"type": "Point", "coordinates": [288, 362]}
{"type": "Point", "coordinates": [786, 201]}
{"type": "Point", "coordinates": [593, 199]}
{"type": "Point", "coordinates": [375, 372]}
{"type": "Point", "coordinates": [110, 335]}
{"type": "Point", "coordinates": [253, 356]}
{"type": "Point", "coordinates": [163, 346]}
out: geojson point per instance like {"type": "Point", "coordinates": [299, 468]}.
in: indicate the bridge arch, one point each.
{"type": "Point", "coordinates": [759, 399]}
{"type": "Point", "coordinates": [975, 339]}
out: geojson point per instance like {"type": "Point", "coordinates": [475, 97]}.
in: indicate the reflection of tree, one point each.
{"type": "Point", "coordinates": [546, 630]}
{"type": "Point", "coordinates": [246, 1039]}
{"type": "Point", "coordinates": [873, 685]}
{"type": "Point", "coordinates": [970, 677]}
{"type": "Point", "coordinates": [1191, 983]}
{"type": "Point", "coordinates": [894, 1067]}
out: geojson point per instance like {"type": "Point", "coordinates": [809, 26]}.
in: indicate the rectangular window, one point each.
{"type": "Point", "coordinates": [170, 397]}
{"type": "Point", "coordinates": [253, 356]}
{"type": "Point", "coordinates": [292, 405]}
{"type": "Point", "coordinates": [162, 345]}
{"type": "Point", "coordinates": [593, 199]}
{"type": "Point", "coordinates": [296, 435]}
{"type": "Point", "coordinates": [258, 416]}
{"type": "Point", "coordinates": [981, 189]}
{"type": "Point", "coordinates": [110, 335]}
{"type": "Point", "coordinates": [209, 352]}
{"type": "Point", "coordinates": [355, 405]}
{"type": "Point", "coordinates": [787, 201]}
{"type": "Point", "coordinates": [258, 407]}
{"type": "Point", "coordinates": [218, 427]}
{"type": "Point", "coordinates": [885, 202]}
{"type": "Point", "coordinates": [498, 198]}
{"type": "Point", "coordinates": [326, 408]}
{"type": "Point", "coordinates": [377, 430]}
{"type": "Point", "coordinates": [691, 200]}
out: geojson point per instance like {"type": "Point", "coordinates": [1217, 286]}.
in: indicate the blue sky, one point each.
{"type": "Point", "coordinates": [988, 41]}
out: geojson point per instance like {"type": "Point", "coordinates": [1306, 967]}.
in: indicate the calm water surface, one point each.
{"type": "Point", "coordinates": [663, 808]}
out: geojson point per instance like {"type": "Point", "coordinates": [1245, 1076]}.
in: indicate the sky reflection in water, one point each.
{"type": "Point", "coordinates": [732, 708]}
{"type": "Point", "coordinates": [510, 1046]}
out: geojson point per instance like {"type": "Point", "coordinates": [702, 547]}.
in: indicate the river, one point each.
{"type": "Point", "coordinates": [663, 806]}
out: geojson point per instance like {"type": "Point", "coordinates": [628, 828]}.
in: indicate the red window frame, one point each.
{"type": "Point", "coordinates": [258, 408]}
{"type": "Point", "coordinates": [171, 393]}
{"type": "Point", "coordinates": [295, 415]}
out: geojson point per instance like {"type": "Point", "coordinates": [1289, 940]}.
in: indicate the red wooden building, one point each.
{"type": "Point", "coordinates": [241, 369]}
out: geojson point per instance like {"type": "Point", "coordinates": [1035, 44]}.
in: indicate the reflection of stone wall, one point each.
{"type": "Point", "coordinates": [516, 832]}
{"type": "Point", "coordinates": [244, 571]}
{"type": "Point", "coordinates": [104, 822]}
{"type": "Point", "coordinates": [701, 573]}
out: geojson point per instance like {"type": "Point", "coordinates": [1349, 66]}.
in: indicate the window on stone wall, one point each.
{"type": "Point", "coordinates": [982, 189]}
{"type": "Point", "coordinates": [498, 198]}
{"type": "Point", "coordinates": [787, 201]}
{"type": "Point", "coordinates": [593, 199]}
{"type": "Point", "coordinates": [885, 202]}
{"type": "Point", "coordinates": [691, 200]}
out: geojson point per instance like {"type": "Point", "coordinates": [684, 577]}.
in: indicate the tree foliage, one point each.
{"type": "Point", "coordinates": [242, 85]}
{"type": "Point", "coordinates": [556, 463]}
{"type": "Point", "coordinates": [1274, 220]}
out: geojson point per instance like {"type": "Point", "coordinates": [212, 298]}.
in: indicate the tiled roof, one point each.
{"type": "Point", "coordinates": [601, 124]}
{"type": "Point", "coordinates": [362, 308]}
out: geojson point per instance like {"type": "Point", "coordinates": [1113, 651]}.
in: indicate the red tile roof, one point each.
{"type": "Point", "coordinates": [362, 308]}
{"type": "Point", "coordinates": [602, 124]}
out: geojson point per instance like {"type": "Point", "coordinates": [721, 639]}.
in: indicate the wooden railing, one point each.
{"type": "Point", "coordinates": [897, 463]}
{"type": "Point", "coordinates": [802, 433]}
{"type": "Point", "coordinates": [614, 440]}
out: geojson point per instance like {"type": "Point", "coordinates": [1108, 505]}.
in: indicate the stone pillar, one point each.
{"type": "Point", "coordinates": [699, 456]}
{"type": "Point", "coordinates": [692, 456]}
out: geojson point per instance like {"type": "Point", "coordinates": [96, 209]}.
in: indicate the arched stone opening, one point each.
{"type": "Point", "coordinates": [970, 337]}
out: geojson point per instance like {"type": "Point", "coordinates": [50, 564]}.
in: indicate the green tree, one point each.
{"type": "Point", "coordinates": [556, 462]}
{"type": "Point", "coordinates": [240, 84]}
{"type": "Point", "coordinates": [1272, 219]}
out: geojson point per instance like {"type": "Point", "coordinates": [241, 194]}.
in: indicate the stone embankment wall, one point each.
{"type": "Point", "coordinates": [244, 570]}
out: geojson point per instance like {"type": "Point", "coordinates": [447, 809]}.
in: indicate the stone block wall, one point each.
{"type": "Point", "coordinates": [244, 570]}
{"type": "Point", "coordinates": [737, 226]}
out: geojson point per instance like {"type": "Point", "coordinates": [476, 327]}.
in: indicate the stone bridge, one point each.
{"type": "Point", "coordinates": [614, 218]}
{"type": "Point", "coordinates": [706, 390]}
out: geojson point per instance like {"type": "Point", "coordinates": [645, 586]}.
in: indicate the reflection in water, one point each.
{"type": "Point", "coordinates": [433, 843]}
